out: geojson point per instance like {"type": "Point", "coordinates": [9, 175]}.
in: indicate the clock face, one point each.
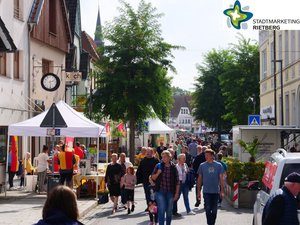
{"type": "Point", "coordinates": [50, 82]}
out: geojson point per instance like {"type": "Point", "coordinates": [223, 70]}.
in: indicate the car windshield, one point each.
{"type": "Point", "coordinates": [287, 169]}
{"type": "Point", "coordinates": [224, 137]}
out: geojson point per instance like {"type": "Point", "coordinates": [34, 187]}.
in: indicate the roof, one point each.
{"type": "Point", "coordinates": [180, 101]}
{"type": "Point", "coordinates": [6, 42]}
{"type": "Point", "coordinates": [98, 32]}
{"type": "Point", "coordinates": [89, 45]}
{"type": "Point", "coordinates": [77, 124]}
{"type": "Point", "coordinates": [36, 11]}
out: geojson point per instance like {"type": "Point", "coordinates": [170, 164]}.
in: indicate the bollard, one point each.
{"type": "Point", "coordinates": [236, 195]}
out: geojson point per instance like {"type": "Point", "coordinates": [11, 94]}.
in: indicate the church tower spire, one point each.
{"type": "Point", "coordinates": [98, 33]}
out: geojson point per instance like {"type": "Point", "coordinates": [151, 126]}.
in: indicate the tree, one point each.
{"type": "Point", "coordinates": [133, 79]}
{"type": "Point", "coordinates": [240, 82]}
{"type": "Point", "coordinates": [178, 91]}
{"type": "Point", "coordinates": [208, 100]}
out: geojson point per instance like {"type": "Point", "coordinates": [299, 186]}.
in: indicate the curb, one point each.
{"type": "Point", "coordinates": [87, 209]}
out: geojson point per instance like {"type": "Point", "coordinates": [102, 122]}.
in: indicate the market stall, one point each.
{"type": "Point", "coordinates": [66, 123]}
{"type": "Point", "coordinates": [159, 130]}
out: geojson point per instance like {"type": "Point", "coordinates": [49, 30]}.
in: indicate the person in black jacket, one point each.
{"type": "Point", "coordinates": [281, 208]}
{"type": "Point", "coordinates": [144, 170]}
{"type": "Point", "coordinates": [200, 158]}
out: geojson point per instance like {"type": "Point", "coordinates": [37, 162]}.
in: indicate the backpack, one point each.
{"type": "Point", "coordinates": [190, 180]}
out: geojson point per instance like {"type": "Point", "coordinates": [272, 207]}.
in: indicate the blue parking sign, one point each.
{"type": "Point", "coordinates": [254, 120]}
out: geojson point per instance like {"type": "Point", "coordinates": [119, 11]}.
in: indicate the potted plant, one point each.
{"type": "Point", "coordinates": [251, 148]}
{"type": "Point", "coordinates": [103, 196]}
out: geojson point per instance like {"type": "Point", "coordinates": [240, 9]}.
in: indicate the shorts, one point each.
{"type": "Point", "coordinates": [114, 190]}
{"type": "Point", "coordinates": [129, 195]}
{"type": "Point", "coordinates": [65, 176]}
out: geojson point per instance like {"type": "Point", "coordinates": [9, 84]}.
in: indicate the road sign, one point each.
{"type": "Point", "coordinates": [73, 76]}
{"type": "Point", "coordinates": [254, 120]}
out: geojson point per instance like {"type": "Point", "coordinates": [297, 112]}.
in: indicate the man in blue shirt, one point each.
{"type": "Point", "coordinates": [210, 175]}
{"type": "Point", "coordinates": [193, 148]}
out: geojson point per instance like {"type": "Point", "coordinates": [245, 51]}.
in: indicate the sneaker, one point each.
{"type": "Point", "coordinates": [132, 208]}
{"type": "Point", "coordinates": [128, 212]}
{"type": "Point", "coordinates": [191, 213]}
{"type": "Point", "coordinates": [113, 211]}
{"type": "Point", "coordinates": [177, 215]}
{"type": "Point", "coordinates": [219, 205]}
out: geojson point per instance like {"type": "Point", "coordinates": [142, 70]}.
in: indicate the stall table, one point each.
{"type": "Point", "coordinates": [86, 184]}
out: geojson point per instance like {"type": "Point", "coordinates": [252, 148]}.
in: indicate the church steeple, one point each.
{"type": "Point", "coordinates": [98, 33]}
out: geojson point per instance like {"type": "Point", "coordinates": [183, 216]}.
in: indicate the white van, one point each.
{"type": "Point", "coordinates": [282, 164]}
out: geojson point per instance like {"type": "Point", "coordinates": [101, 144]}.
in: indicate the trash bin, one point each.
{"type": "Point", "coordinates": [53, 181]}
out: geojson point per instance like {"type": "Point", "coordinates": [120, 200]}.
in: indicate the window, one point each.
{"type": "Point", "coordinates": [264, 64]}
{"type": "Point", "coordinates": [3, 63]}
{"type": "Point", "coordinates": [272, 83]}
{"type": "Point", "coordinates": [16, 65]}
{"type": "Point", "coordinates": [272, 58]}
{"type": "Point", "coordinates": [52, 16]}
{"type": "Point", "coordinates": [287, 109]}
{"type": "Point", "coordinates": [279, 50]}
{"type": "Point", "coordinates": [286, 47]}
{"type": "Point", "coordinates": [293, 46]}
{"type": "Point", "coordinates": [18, 12]}
{"type": "Point", "coordinates": [3, 142]}
{"type": "Point", "coordinates": [286, 75]}
{"type": "Point", "coordinates": [293, 108]}
{"type": "Point", "coordinates": [46, 66]}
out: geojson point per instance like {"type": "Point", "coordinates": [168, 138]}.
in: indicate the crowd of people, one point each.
{"type": "Point", "coordinates": [167, 173]}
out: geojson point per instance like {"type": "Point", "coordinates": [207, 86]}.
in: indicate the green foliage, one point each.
{"type": "Point", "coordinates": [251, 148]}
{"type": "Point", "coordinates": [178, 91]}
{"type": "Point", "coordinates": [228, 78]}
{"type": "Point", "coordinates": [132, 78]}
{"type": "Point", "coordinates": [208, 100]}
{"type": "Point", "coordinates": [244, 171]}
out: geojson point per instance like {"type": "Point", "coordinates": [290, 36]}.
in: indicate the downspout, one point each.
{"type": "Point", "coordinates": [30, 28]}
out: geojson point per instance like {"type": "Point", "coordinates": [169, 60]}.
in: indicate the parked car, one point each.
{"type": "Point", "coordinates": [282, 164]}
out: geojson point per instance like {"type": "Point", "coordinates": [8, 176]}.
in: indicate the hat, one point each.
{"type": "Point", "coordinates": [293, 178]}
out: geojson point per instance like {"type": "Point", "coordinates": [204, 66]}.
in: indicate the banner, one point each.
{"type": "Point", "coordinates": [269, 174]}
{"type": "Point", "coordinates": [69, 142]}
{"type": "Point", "coordinates": [107, 129]}
{"type": "Point", "coordinates": [14, 154]}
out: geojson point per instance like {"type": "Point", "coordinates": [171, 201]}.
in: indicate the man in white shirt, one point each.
{"type": "Point", "coordinates": [43, 165]}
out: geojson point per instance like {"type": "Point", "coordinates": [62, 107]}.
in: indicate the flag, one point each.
{"type": "Point", "coordinates": [107, 129]}
{"type": "Point", "coordinates": [121, 128]}
{"type": "Point", "coordinates": [69, 142]}
{"type": "Point", "coordinates": [14, 154]}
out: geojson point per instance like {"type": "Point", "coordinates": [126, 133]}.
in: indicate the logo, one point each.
{"type": "Point", "coordinates": [237, 16]}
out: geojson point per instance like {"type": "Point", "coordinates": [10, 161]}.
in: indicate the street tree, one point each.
{"type": "Point", "coordinates": [133, 79]}
{"type": "Point", "coordinates": [240, 81]}
{"type": "Point", "coordinates": [208, 101]}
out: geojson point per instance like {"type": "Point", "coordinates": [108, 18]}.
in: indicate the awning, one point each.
{"type": "Point", "coordinates": [6, 42]}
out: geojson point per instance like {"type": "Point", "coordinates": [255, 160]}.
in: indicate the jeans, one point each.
{"type": "Point", "coordinates": [164, 202]}
{"type": "Point", "coordinates": [147, 192]}
{"type": "Point", "coordinates": [211, 207]}
{"type": "Point", "coordinates": [123, 196]}
{"type": "Point", "coordinates": [184, 189]}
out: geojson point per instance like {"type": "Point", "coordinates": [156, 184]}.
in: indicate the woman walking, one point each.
{"type": "Point", "coordinates": [165, 176]}
{"type": "Point", "coordinates": [183, 170]}
{"type": "Point", "coordinates": [113, 175]}
{"type": "Point", "coordinates": [129, 181]}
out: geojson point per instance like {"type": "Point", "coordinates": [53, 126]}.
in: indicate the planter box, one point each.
{"type": "Point", "coordinates": [246, 197]}
{"type": "Point", "coordinates": [102, 198]}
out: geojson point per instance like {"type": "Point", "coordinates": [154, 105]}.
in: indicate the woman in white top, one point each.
{"type": "Point", "coordinates": [43, 165]}
{"type": "Point", "coordinates": [183, 169]}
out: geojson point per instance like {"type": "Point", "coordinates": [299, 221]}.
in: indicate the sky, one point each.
{"type": "Point", "coordinates": [198, 25]}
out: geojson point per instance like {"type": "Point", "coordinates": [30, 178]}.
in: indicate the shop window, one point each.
{"type": "Point", "coordinates": [3, 63]}
{"type": "Point", "coordinates": [3, 142]}
{"type": "Point", "coordinates": [17, 65]}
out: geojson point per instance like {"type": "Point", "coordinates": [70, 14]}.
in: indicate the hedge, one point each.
{"type": "Point", "coordinates": [243, 171]}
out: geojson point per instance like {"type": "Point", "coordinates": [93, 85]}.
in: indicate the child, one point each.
{"type": "Point", "coordinates": [129, 181]}
{"type": "Point", "coordinates": [152, 207]}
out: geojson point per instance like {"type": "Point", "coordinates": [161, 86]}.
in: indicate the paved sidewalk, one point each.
{"type": "Point", "coordinates": [20, 207]}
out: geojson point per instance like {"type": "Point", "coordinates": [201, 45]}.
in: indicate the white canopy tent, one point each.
{"type": "Point", "coordinates": [156, 126]}
{"type": "Point", "coordinates": [76, 126]}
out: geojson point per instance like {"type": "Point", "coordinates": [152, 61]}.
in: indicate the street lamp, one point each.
{"type": "Point", "coordinates": [281, 87]}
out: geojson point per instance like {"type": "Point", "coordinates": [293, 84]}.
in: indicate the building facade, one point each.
{"type": "Point", "coordinates": [287, 49]}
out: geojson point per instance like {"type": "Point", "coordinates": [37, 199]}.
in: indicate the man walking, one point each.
{"type": "Point", "coordinates": [210, 175]}
{"type": "Point", "coordinates": [193, 148]}
{"type": "Point", "coordinates": [144, 170]}
{"type": "Point", "coordinates": [281, 208]}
